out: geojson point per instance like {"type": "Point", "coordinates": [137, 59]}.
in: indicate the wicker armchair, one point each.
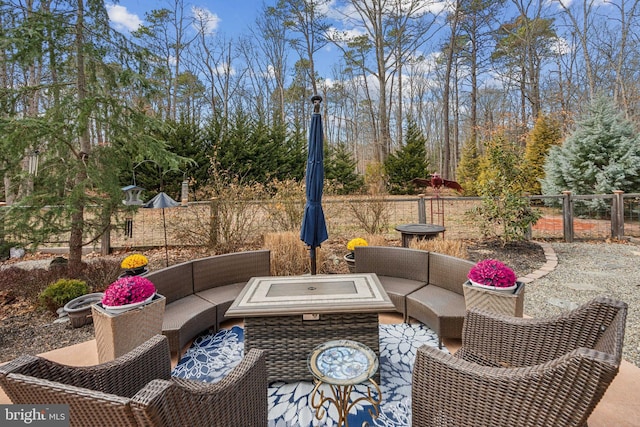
{"type": "Point", "coordinates": [239, 399]}
{"type": "Point", "coordinates": [522, 372]}
{"type": "Point", "coordinates": [96, 395]}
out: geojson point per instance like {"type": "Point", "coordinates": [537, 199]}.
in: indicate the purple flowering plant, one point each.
{"type": "Point", "coordinates": [128, 290]}
{"type": "Point", "coordinates": [492, 272]}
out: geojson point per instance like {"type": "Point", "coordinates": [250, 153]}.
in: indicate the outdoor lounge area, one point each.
{"type": "Point", "coordinates": [615, 409]}
{"type": "Point", "coordinates": [429, 357]}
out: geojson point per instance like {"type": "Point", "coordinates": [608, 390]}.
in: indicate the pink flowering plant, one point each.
{"type": "Point", "coordinates": [128, 290]}
{"type": "Point", "coordinates": [492, 272]}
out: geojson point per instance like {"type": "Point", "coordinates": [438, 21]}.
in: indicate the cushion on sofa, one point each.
{"type": "Point", "coordinates": [220, 270]}
{"type": "Point", "coordinates": [222, 297]}
{"type": "Point", "coordinates": [398, 288]}
{"type": "Point", "coordinates": [448, 272]}
{"type": "Point", "coordinates": [440, 309]}
{"type": "Point", "coordinates": [173, 282]}
{"type": "Point", "coordinates": [186, 318]}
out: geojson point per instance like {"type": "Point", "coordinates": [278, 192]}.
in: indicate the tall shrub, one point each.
{"type": "Point", "coordinates": [340, 171]}
{"type": "Point", "coordinates": [469, 168]}
{"type": "Point", "coordinates": [545, 134]}
{"type": "Point", "coordinates": [504, 212]}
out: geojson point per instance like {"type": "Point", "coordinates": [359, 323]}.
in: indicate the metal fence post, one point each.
{"type": "Point", "coordinates": [617, 215]}
{"type": "Point", "coordinates": [567, 216]}
{"type": "Point", "coordinates": [422, 210]}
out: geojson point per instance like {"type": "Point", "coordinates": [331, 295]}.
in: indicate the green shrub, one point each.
{"type": "Point", "coordinates": [501, 188]}
{"type": "Point", "coordinates": [61, 292]}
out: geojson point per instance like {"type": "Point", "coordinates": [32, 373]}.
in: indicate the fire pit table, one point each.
{"type": "Point", "coordinates": [290, 316]}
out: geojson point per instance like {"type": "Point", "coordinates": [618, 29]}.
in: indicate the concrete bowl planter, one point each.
{"type": "Point", "coordinates": [79, 309]}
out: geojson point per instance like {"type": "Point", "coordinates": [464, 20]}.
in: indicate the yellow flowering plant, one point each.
{"type": "Point", "coordinates": [358, 241]}
{"type": "Point", "coordinates": [134, 261]}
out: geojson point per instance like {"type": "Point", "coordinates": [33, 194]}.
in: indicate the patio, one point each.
{"type": "Point", "coordinates": [617, 408]}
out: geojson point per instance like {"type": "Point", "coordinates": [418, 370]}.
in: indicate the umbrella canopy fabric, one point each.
{"type": "Point", "coordinates": [314, 227]}
{"type": "Point", "coordinates": [161, 200]}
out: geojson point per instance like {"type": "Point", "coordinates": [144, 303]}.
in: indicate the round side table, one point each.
{"type": "Point", "coordinates": [418, 231]}
{"type": "Point", "coordinates": [342, 364]}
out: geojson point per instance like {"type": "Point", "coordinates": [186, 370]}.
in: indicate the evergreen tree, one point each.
{"type": "Point", "coordinates": [601, 155]}
{"type": "Point", "coordinates": [545, 134]}
{"type": "Point", "coordinates": [186, 139]}
{"type": "Point", "coordinates": [469, 169]}
{"type": "Point", "coordinates": [252, 152]}
{"type": "Point", "coordinates": [408, 162]}
{"type": "Point", "coordinates": [88, 133]}
{"type": "Point", "coordinates": [340, 170]}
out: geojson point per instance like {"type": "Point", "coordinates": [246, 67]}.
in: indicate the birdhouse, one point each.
{"type": "Point", "coordinates": [132, 195]}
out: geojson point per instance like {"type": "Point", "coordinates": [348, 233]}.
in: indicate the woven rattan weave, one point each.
{"type": "Point", "coordinates": [116, 334]}
{"type": "Point", "coordinates": [522, 372]}
{"type": "Point", "coordinates": [288, 340]}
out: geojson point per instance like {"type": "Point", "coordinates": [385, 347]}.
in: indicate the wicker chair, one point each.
{"type": "Point", "coordinates": [96, 395]}
{"type": "Point", "coordinates": [137, 389]}
{"type": "Point", "coordinates": [522, 372]}
{"type": "Point", "coordinates": [239, 399]}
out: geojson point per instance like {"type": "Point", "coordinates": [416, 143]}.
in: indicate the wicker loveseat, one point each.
{"type": "Point", "coordinates": [522, 372]}
{"type": "Point", "coordinates": [199, 292]}
{"type": "Point", "coordinates": [426, 286]}
{"type": "Point", "coordinates": [136, 389]}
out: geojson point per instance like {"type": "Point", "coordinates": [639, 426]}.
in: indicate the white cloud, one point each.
{"type": "Point", "coordinates": [122, 19]}
{"type": "Point", "coordinates": [225, 69]}
{"type": "Point", "coordinates": [205, 21]}
{"type": "Point", "coordinates": [569, 3]}
{"type": "Point", "coordinates": [344, 35]}
{"type": "Point", "coordinates": [560, 46]}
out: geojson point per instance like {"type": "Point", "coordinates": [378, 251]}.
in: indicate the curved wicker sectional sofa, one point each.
{"type": "Point", "coordinates": [426, 286]}
{"type": "Point", "coordinates": [199, 292]}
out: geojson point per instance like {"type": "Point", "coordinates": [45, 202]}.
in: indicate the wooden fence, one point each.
{"type": "Point", "coordinates": [212, 222]}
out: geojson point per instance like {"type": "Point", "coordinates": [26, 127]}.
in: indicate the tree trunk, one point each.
{"type": "Point", "coordinates": [77, 217]}
{"type": "Point", "coordinates": [446, 155]}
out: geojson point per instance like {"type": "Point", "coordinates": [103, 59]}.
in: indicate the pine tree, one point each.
{"type": "Point", "coordinates": [87, 135]}
{"type": "Point", "coordinates": [407, 163]}
{"type": "Point", "coordinates": [545, 134]}
{"type": "Point", "coordinates": [601, 155]}
{"type": "Point", "coordinates": [340, 170]}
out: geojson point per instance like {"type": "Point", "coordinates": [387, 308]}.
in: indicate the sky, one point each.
{"type": "Point", "coordinates": [230, 17]}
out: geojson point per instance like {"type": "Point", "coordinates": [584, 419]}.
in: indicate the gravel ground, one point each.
{"type": "Point", "coordinates": [587, 270]}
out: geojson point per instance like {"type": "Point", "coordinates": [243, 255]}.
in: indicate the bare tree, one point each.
{"type": "Point", "coordinates": [306, 19]}
{"type": "Point", "coordinates": [271, 38]}
{"type": "Point", "coordinates": [391, 30]}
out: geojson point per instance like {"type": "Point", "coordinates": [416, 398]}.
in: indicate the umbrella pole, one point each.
{"type": "Point", "coordinates": [166, 250]}
{"type": "Point", "coordinates": [312, 253]}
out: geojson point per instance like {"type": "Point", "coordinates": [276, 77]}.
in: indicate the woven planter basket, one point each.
{"type": "Point", "coordinates": [117, 334]}
{"type": "Point", "coordinates": [496, 302]}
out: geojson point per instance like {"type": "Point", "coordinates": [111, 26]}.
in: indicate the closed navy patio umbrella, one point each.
{"type": "Point", "coordinates": [314, 227]}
